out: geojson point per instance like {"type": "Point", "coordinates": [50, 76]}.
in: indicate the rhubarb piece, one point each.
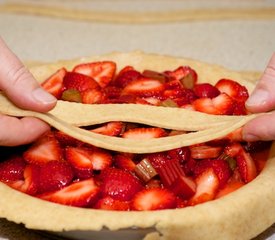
{"type": "Point", "coordinates": [71, 95]}
{"type": "Point", "coordinates": [144, 170]}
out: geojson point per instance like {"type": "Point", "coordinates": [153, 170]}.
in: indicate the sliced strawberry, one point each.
{"type": "Point", "coordinates": [30, 184]}
{"type": "Point", "coordinates": [66, 140]}
{"type": "Point", "coordinates": [185, 74]}
{"type": "Point", "coordinates": [54, 84]}
{"type": "Point", "coordinates": [102, 72]}
{"type": "Point", "coordinates": [204, 151]}
{"type": "Point", "coordinates": [245, 163]}
{"type": "Point", "coordinates": [110, 129]}
{"type": "Point", "coordinates": [101, 159]}
{"type": "Point", "coordinates": [125, 76]}
{"type": "Point", "coordinates": [233, 89]}
{"type": "Point", "coordinates": [119, 184]}
{"type": "Point", "coordinates": [206, 90]}
{"type": "Point", "coordinates": [207, 187]}
{"type": "Point", "coordinates": [246, 166]}
{"type": "Point", "coordinates": [153, 199]}
{"type": "Point", "coordinates": [112, 92]}
{"type": "Point", "coordinates": [154, 183]}
{"type": "Point", "coordinates": [124, 162]}
{"type": "Point", "coordinates": [93, 96]}
{"type": "Point", "coordinates": [220, 167]}
{"type": "Point", "coordinates": [78, 194]}
{"type": "Point", "coordinates": [79, 82]}
{"type": "Point", "coordinates": [223, 104]}
{"type": "Point", "coordinates": [180, 96]}
{"type": "Point", "coordinates": [12, 169]}
{"type": "Point", "coordinates": [144, 87]}
{"type": "Point", "coordinates": [182, 154]}
{"type": "Point", "coordinates": [45, 149]}
{"type": "Point", "coordinates": [109, 203]}
{"type": "Point", "coordinates": [80, 160]}
{"type": "Point", "coordinates": [54, 175]}
{"type": "Point", "coordinates": [231, 186]}
{"type": "Point", "coordinates": [144, 133]}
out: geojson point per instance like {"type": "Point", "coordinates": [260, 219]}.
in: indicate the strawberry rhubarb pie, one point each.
{"type": "Point", "coordinates": [216, 187]}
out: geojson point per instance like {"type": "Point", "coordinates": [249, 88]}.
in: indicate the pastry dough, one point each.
{"type": "Point", "coordinates": [67, 12]}
{"type": "Point", "coordinates": [242, 214]}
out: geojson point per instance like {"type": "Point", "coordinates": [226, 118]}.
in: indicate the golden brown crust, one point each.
{"type": "Point", "coordinates": [241, 215]}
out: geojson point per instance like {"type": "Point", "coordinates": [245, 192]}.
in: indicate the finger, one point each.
{"type": "Point", "coordinates": [20, 131]}
{"type": "Point", "coordinates": [262, 98]}
{"type": "Point", "coordinates": [260, 128]}
{"type": "Point", "coordinates": [19, 84]}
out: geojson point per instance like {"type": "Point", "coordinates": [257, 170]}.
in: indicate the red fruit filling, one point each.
{"type": "Point", "coordinates": [63, 170]}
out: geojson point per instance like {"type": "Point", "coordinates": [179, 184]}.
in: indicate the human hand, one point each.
{"type": "Point", "coordinates": [20, 87]}
{"type": "Point", "coordinates": [262, 99]}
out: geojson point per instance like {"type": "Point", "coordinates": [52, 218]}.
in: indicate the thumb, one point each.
{"type": "Point", "coordinates": [19, 84]}
{"type": "Point", "coordinates": [262, 98]}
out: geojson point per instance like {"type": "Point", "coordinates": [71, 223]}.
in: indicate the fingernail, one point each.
{"type": "Point", "coordinates": [42, 96]}
{"type": "Point", "coordinates": [259, 97]}
{"type": "Point", "coordinates": [250, 137]}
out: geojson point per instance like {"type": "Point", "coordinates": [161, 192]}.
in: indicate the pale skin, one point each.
{"type": "Point", "coordinates": [21, 87]}
{"type": "Point", "coordinates": [262, 99]}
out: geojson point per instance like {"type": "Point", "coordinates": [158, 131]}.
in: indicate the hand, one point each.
{"type": "Point", "coordinates": [21, 88]}
{"type": "Point", "coordinates": [262, 99]}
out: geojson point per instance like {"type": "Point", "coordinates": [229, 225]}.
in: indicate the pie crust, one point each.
{"type": "Point", "coordinates": [197, 14]}
{"type": "Point", "coordinates": [242, 214]}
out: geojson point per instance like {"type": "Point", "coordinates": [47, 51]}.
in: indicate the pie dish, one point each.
{"type": "Point", "coordinates": [230, 217]}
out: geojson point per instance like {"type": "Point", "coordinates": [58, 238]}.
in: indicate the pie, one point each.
{"type": "Point", "coordinates": [221, 189]}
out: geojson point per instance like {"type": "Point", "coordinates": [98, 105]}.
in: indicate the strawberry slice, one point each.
{"type": "Point", "coordinates": [45, 149]}
{"type": "Point", "coordinates": [186, 75]}
{"type": "Point", "coordinates": [30, 184]}
{"type": "Point", "coordinates": [246, 165]}
{"type": "Point", "coordinates": [12, 169]}
{"type": "Point", "coordinates": [93, 96]}
{"type": "Point", "coordinates": [220, 167]}
{"type": "Point", "coordinates": [124, 162]}
{"type": "Point", "coordinates": [144, 87]}
{"type": "Point", "coordinates": [79, 82]}
{"type": "Point", "coordinates": [144, 133]}
{"type": "Point", "coordinates": [207, 187]}
{"type": "Point", "coordinates": [233, 89]}
{"type": "Point", "coordinates": [54, 175]}
{"type": "Point", "coordinates": [203, 151]}
{"type": "Point", "coordinates": [153, 199]}
{"type": "Point", "coordinates": [66, 140]}
{"type": "Point", "coordinates": [206, 90]}
{"type": "Point", "coordinates": [223, 104]}
{"type": "Point", "coordinates": [109, 203]}
{"type": "Point", "coordinates": [54, 84]}
{"type": "Point", "coordinates": [86, 160]}
{"type": "Point", "coordinates": [78, 194]}
{"type": "Point", "coordinates": [101, 72]}
{"type": "Point", "coordinates": [110, 129]}
{"type": "Point", "coordinates": [119, 184]}
{"type": "Point", "coordinates": [231, 186]}
{"type": "Point", "coordinates": [125, 76]}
